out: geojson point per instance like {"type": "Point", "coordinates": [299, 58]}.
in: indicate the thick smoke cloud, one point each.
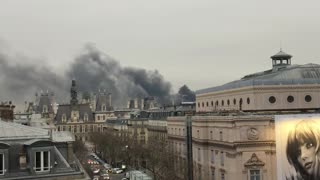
{"type": "Point", "coordinates": [96, 70]}
{"type": "Point", "coordinates": [93, 70]}
{"type": "Point", "coordinates": [19, 82]}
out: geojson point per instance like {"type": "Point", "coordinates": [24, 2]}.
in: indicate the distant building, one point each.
{"type": "Point", "coordinates": [43, 104]}
{"type": "Point", "coordinates": [34, 153]}
{"type": "Point", "coordinates": [233, 133]}
{"type": "Point", "coordinates": [285, 87]}
{"type": "Point", "coordinates": [6, 111]}
{"type": "Point", "coordinates": [77, 118]}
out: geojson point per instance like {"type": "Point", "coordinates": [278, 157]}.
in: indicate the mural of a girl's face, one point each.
{"type": "Point", "coordinates": [307, 156]}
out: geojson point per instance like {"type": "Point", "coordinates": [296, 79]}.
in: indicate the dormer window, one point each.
{"type": "Point", "coordinates": [42, 161]}
{"type": "Point", "coordinates": [103, 107]}
{"type": "Point", "coordinates": [85, 117]}
{"type": "Point", "coordinates": [44, 109]}
{"type": "Point", "coordinates": [64, 118]}
{"type": "Point", "coordinates": [2, 164]}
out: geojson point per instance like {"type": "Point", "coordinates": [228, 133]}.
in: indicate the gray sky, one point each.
{"type": "Point", "coordinates": [195, 42]}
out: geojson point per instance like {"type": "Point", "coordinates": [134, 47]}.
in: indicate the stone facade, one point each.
{"type": "Point", "coordinates": [226, 147]}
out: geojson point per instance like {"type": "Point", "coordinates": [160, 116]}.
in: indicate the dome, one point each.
{"type": "Point", "coordinates": [289, 75]}
{"type": "Point", "coordinates": [281, 55]}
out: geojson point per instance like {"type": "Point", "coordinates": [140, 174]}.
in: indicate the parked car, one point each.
{"type": "Point", "coordinates": [107, 166]}
{"type": "Point", "coordinates": [95, 170]}
{"type": "Point", "coordinates": [96, 178]}
{"type": "Point", "coordinates": [117, 170]}
{"type": "Point", "coordinates": [104, 174]}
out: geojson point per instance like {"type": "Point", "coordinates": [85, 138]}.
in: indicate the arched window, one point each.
{"type": "Point", "coordinates": [228, 102]}
{"type": "Point", "coordinates": [248, 100]}
{"type": "Point", "coordinates": [222, 103]}
{"type": "Point", "coordinates": [234, 101]}
{"type": "Point", "coordinates": [44, 109]}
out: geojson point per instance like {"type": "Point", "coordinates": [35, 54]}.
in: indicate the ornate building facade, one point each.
{"type": "Point", "coordinates": [233, 134]}
{"type": "Point", "coordinates": [77, 118]}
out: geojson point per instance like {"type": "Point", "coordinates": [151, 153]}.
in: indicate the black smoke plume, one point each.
{"type": "Point", "coordinates": [93, 70]}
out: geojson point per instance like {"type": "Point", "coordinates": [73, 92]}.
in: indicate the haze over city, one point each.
{"type": "Point", "coordinates": [197, 43]}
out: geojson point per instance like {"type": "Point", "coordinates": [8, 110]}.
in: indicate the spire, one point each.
{"type": "Point", "coordinates": [74, 94]}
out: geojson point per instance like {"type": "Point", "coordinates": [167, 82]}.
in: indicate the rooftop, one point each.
{"type": "Point", "coordinates": [9, 130]}
{"type": "Point", "coordinates": [289, 75]}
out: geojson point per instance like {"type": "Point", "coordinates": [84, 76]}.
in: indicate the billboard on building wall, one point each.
{"type": "Point", "coordinates": [298, 147]}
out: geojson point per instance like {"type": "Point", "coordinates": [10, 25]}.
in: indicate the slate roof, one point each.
{"type": "Point", "coordinates": [66, 109]}
{"type": "Point", "coordinates": [44, 100]}
{"type": "Point", "coordinates": [15, 131]}
{"type": "Point", "coordinates": [280, 55]}
{"type": "Point", "coordinates": [102, 98]}
{"type": "Point", "coordinates": [289, 75]}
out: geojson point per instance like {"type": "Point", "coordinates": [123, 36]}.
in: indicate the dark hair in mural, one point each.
{"type": "Point", "coordinates": [303, 150]}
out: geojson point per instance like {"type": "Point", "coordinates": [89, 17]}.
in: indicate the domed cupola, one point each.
{"type": "Point", "coordinates": [281, 59]}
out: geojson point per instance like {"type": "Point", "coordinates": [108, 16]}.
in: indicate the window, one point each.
{"type": "Point", "coordinates": [211, 135]}
{"type": "Point", "coordinates": [212, 156]}
{"type": "Point", "coordinates": [222, 176]}
{"type": "Point", "coordinates": [213, 174]}
{"type": "Point", "coordinates": [198, 134]}
{"type": "Point", "coordinates": [202, 104]}
{"type": "Point", "coordinates": [199, 169]}
{"type": "Point", "coordinates": [199, 155]}
{"type": "Point", "coordinates": [272, 99]}
{"type": "Point", "coordinates": [234, 101]}
{"type": "Point", "coordinates": [198, 104]}
{"type": "Point", "coordinates": [207, 104]}
{"type": "Point", "coordinates": [221, 159]}
{"type": "Point", "coordinates": [183, 132]}
{"type": "Point", "coordinates": [248, 100]}
{"type": "Point", "coordinates": [103, 107]}
{"type": "Point", "coordinates": [64, 117]}
{"type": "Point", "coordinates": [221, 136]}
{"type": "Point", "coordinates": [44, 109]}
{"type": "Point", "coordinates": [211, 103]}
{"type": "Point", "coordinates": [98, 118]}
{"type": "Point", "coordinates": [290, 99]}
{"type": "Point", "coordinates": [307, 98]}
{"type": "Point", "coordinates": [255, 175]}
{"type": "Point", "coordinates": [217, 103]}
{"type": "Point", "coordinates": [42, 161]}
{"type": "Point", "coordinates": [2, 170]}
{"type": "Point", "coordinates": [85, 117]}
{"type": "Point", "coordinates": [222, 103]}
{"type": "Point", "coordinates": [228, 102]}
